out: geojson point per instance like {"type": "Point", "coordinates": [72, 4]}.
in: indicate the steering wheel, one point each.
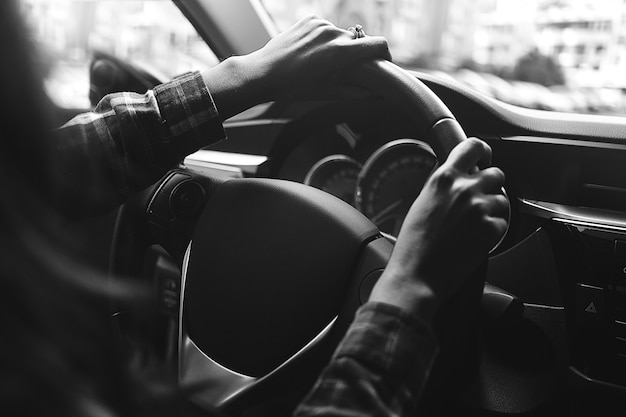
{"type": "Point", "coordinates": [272, 271]}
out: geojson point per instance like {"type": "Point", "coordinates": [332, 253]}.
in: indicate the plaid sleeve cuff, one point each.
{"type": "Point", "coordinates": [188, 112]}
{"type": "Point", "coordinates": [391, 341]}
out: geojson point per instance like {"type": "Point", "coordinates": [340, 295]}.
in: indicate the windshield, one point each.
{"type": "Point", "coordinates": [562, 55]}
{"type": "Point", "coordinates": [153, 35]}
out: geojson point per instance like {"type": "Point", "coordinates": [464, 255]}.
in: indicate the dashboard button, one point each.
{"type": "Point", "coordinates": [590, 310]}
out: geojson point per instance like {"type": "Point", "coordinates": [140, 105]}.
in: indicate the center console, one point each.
{"type": "Point", "coordinates": [589, 247]}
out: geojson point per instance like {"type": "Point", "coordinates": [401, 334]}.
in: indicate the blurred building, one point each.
{"type": "Point", "coordinates": [437, 34]}
{"type": "Point", "coordinates": [154, 34]}
{"type": "Point", "coordinates": [588, 39]}
{"type": "Point", "coordinates": [505, 31]}
{"type": "Point", "coordinates": [63, 26]}
{"type": "Point", "coordinates": [139, 31]}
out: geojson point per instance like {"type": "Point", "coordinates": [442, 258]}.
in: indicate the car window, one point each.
{"type": "Point", "coordinates": [152, 34]}
{"type": "Point", "coordinates": [564, 55]}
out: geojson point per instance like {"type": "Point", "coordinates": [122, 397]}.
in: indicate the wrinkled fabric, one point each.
{"type": "Point", "coordinates": [129, 141]}
{"type": "Point", "coordinates": [379, 369]}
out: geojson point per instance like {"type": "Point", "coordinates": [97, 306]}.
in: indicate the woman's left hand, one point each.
{"type": "Point", "coordinates": [305, 54]}
{"type": "Point", "coordinates": [309, 51]}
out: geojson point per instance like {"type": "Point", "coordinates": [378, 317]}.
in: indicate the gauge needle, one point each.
{"type": "Point", "coordinates": [386, 211]}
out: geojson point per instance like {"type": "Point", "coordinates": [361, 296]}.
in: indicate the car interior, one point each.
{"type": "Point", "coordinates": [310, 193]}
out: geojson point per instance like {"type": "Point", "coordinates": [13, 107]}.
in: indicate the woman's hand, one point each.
{"type": "Point", "coordinates": [454, 222]}
{"type": "Point", "coordinates": [310, 50]}
{"type": "Point", "coordinates": [305, 54]}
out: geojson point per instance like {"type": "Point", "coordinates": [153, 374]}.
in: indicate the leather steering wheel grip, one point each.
{"type": "Point", "coordinates": [434, 122]}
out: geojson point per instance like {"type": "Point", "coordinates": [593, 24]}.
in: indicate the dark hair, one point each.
{"type": "Point", "coordinates": [59, 355]}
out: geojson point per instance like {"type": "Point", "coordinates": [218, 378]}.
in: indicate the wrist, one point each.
{"type": "Point", "coordinates": [235, 85]}
{"type": "Point", "coordinates": [407, 293]}
{"type": "Point", "coordinates": [254, 75]}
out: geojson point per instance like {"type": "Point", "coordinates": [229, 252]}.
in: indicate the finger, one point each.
{"type": "Point", "coordinates": [497, 227]}
{"type": "Point", "coordinates": [502, 207]}
{"type": "Point", "coordinates": [489, 180]}
{"type": "Point", "coordinates": [495, 205]}
{"type": "Point", "coordinates": [368, 47]}
{"type": "Point", "coordinates": [315, 26]}
{"type": "Point", "coordinates": [468, 154]}
{"type": "Point", "coordinates": [310, 19]}
{"type": "Point", "coordinates": [375, 46]}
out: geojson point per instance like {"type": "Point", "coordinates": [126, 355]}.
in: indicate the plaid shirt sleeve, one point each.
{"type": "Point", "coordinates": [130, 140]}
{"type": "Point", "coordinates": [379, 369]}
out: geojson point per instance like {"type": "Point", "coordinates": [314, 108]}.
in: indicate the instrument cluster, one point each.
{"type": "Point", "coordinates": [384, 186]}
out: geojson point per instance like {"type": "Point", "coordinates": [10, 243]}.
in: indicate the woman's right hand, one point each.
{"type": "Point", "coordinates": [454, 222]}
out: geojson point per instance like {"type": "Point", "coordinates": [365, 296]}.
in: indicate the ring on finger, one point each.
{"type": "Point", "coordinates": [357, 31]}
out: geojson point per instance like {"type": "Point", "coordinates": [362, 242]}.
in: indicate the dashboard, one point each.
{"type": "Point", "coordinates": [563, 254]}
{"type": "Point", "coordinates": [384, 187]}
{"type": "Point", "coordinates": [370, 158]}
{"type": "Point", "coordinates": [380, 176]}
{"type": "Point", "coordinates": [367, 152]}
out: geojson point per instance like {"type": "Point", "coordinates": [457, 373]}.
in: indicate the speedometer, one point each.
{"type": "Point", "coordinates": [391, 180]}
{"type": "Point", "coordinates": [335, 174]}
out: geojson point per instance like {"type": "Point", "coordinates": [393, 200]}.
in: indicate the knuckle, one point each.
{"type": "Point", "coordinates": [502, 200]}
{"type": "Point", "coordinates": [475, 142]}
{"type": "Point", "coordinates": [311, 17]}
{"type": "Point", "coordinates": [444, 178]}
{"type": "Point", "coordinates": [477, 206]}
{"type": "Point", "coordinates": [318, 35]}
{"type": "Point", "coordinates": [502, 206]}
{"type": "Point", "coordinates": [498, 174]}
{"type": "Point", "coordinates": [324, 31]}
{"type": "Point", "coordinates": [494, 177]}
{"type": "Point", "coordinates": [480, 145]}
{"type": "Point", "coordinates": [498, 227]}
{"type": "Point", "coordinates": [312, 22]}
{"type": "Point", "coordinates": [467, 195]}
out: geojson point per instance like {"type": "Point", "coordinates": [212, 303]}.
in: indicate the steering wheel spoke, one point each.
{"type": "Point", "coordinates": [222, 382]}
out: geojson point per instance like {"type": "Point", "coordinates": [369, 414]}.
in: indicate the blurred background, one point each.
{"type": "Point", "coordinates": [566, 55]}
{"type": "Point", "coordinates": [561, 55]}
{"type": "Point", "coordinates": [152, 34]}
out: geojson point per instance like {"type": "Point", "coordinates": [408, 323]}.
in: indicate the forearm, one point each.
{"type": "Point", "coordinates": [399, 288]}
{"type": "Point", "coordinates": [129, 141]}
{"type": "Point", "coordinates": [380, 367]}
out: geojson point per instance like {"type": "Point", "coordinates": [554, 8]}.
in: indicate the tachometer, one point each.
{"type": "Point", "coordinates": [335, 174]}
{"type": "Point", "coordinates": [390, 181]}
